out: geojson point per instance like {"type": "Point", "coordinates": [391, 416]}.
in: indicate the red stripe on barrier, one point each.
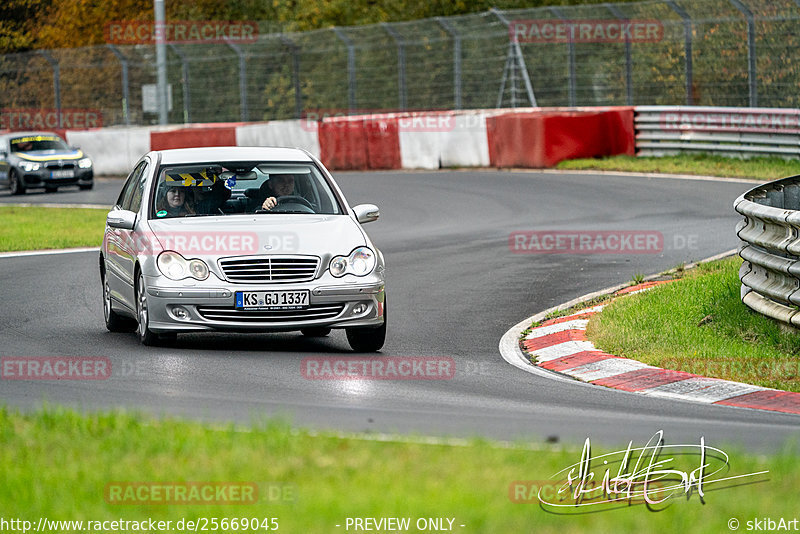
{"type": "Point", "coordinates": [554, 339]}
{"type": "Point", "coordinates": [542, 139]}
{"type": "Point", "coordinates": [575, 360]}
{"type": "Point", "coordinates": [193, 137]}
{"type": "Point", "coordinates": [643, 379]}
{"type": "Point", "coordinates": [776, 401]}
{"type": "Point", "coordinates": [357, 143]}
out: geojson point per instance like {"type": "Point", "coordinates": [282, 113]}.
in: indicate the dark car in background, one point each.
{"type": "Point", "coordinates": [36, 160]}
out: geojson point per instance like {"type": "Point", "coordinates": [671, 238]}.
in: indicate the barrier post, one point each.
{"type": "Point", "coordinates": [751, 51]}
{"type": "Point", "coordinates": [125, 85]}
{"type": "Point", "coordinates": [572, 80]}
{"type": "Point", "coordinates": [242, 79]}
{"type": "Point", "coordinates": [56, 83]}
{"type": "Point", "coordinates": [351, 68]}
{"type": "Point", "coordinates": [444, 23]}
{"type": "Point", "coordinates": [687, 48]}
{"type": "Point", "coordinates": [184, 82]}
{"type": "Point", "coordinates": [401, 63]}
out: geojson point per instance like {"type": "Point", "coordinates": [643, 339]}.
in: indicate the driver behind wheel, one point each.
{"type": "Point", "coordinates": [278, 185]}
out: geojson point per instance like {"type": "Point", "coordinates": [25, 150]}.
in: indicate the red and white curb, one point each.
{"type": "Point", "coordinates": [560, 346]}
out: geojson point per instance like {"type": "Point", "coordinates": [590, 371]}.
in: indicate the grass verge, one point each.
{"type": "Point", "coordinates": [33, 228]}
{"type": "Point", "coordinates": [699, 325]}
{"type": "Point", "coordinates": [57, 464]}
{"type": "Point", "coordinates": [760, 168]}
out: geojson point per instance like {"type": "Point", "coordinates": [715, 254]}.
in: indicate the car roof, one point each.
{"type": "Point", "coordinates": [29, 134]}
{"type": "Point", "coordinates": [232, 153]}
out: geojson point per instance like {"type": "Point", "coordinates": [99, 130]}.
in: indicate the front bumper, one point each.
{"type": "Point", "coordinates": [43, 178]}
{"type": "Point", "coordinates": [213, 308]}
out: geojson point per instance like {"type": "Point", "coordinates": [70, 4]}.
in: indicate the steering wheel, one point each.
{"type": "Point", "coordinates": [293, 199]}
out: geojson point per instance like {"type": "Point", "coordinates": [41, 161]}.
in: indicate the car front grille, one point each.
{"type": "Point", "coordinates": [258, 270]}
{"type": "Point", "coordinates": [55, 165]}
{"type": "Point", "coordinates": [230, 314]}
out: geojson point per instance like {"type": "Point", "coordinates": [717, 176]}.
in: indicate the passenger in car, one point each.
{"type": "Point", "coordinates": [175, 203]}
{"type": "Point", "coordinates": [210, 200]}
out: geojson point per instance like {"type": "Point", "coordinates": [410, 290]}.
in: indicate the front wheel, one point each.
{"type": "Point", "coordinates": [146, 336]}
{"type": "Point", "coordinates": [114, 321]}
{"type": "Point", "coordinates": [15, 183]}
{"type": "Point", "coordinates": [368, 339]}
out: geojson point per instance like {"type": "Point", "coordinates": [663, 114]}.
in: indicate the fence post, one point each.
{"type": "Point", "coordinates": [125, 88]}
{"type": "Point", "coordinates": [687, 48]}
{"type": "Point", "coordinates": [751, 51]}
{"type": "Point", "coordinates": [242, 79]}
{"type": "Point", "coordinates": [401, 63]}
{"type": "Point", "coordinates": [351, 68]}
{"type": "Point", "coordinates": [298, 97]}
{"type": "Point", "coordinates": [185, 82]}
{"type": "Point", "coordinates": [520, 60]}
{"type": "Point", "coordinates": [628, 59]}
{"type": "Point", "coordinates": [56, 83]}
{"type": "Point", "coordinates": [444, 23]}
{"type": "Point", "coordinates": [570, 59]}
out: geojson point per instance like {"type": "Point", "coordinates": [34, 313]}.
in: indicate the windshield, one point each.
{"type": "Point", "coordinates": [33, 143]}
{"type": "Point", "coordinates": [233, 188]}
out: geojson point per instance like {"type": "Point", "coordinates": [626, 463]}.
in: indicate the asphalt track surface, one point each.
{"type": "Point", "coordinates": [453, 289]}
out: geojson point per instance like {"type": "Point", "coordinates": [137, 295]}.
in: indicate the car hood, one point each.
{"type": "Point", "coordinates": [210, 237]}
{"type": "Point", "coordinates": [50, 155]}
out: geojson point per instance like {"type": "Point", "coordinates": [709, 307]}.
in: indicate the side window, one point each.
{"type": "Point", "coordinates": [124, 200]}
{"type": "Point", "coordinates": [138, 190]}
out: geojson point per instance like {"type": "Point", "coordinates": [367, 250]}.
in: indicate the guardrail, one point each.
{"type": "Point", "coordinates": [670, 130]}
{"type": "Point", "coordinates": [770, 231]}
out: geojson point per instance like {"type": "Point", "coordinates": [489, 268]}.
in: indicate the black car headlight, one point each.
{"type": "Point", "coordinates": [176, 267]}
{"type": "Point", "coordinates": [360, 262]}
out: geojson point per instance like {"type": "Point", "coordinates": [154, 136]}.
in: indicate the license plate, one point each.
{"type": "Point", "coordinates": [63, 174]}
{"type": "Point", "coordinates": [272, 300]}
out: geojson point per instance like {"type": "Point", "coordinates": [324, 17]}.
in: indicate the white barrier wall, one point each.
{"type": "Point", "coordinates": [114, 151]}
{"type": "Point", "coordinates": [291, 133]}
{"type": "Point", "coordinates": [444, 140]}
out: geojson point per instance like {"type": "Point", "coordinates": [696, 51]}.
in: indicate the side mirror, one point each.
{"type": "Point", "coordinates": [367, 213]}
{"type": "Point", "coordinates": [3, 153]}
{"type": "Point", "coordinates": [122, 219]}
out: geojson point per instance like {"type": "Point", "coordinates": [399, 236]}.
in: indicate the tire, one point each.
{"type": "Point", "coordinates": [146, 336]}
{"type": "Point", "coordinates": [368, 339]}
{"type": "Point", "coordinates": [315, 332]}
{"type": "Point", "coordinates": [15, 183]}
{"type": "Point", "coordinates": [114, 321]}
{"type": "Point", "coordinates": [85, 187]}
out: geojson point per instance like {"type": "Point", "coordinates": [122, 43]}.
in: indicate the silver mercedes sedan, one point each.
{"type": "Point", "coordinates": [240, 239]}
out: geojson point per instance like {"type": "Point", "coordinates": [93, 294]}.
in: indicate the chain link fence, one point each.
{"type": "Point", "coordinates": [708, 52]}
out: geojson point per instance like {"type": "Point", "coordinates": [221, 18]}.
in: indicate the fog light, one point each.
{"type": "Point", "coordinates": [358, 309]}
{"type": "Point", "coordinates": [180, 313]}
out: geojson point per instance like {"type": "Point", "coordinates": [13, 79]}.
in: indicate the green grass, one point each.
{"type": "Point", "coordinates": [56, 464]}
{"type": "Point", "coordinates": [698, 324]}
{"type": "Point", "coordinates": [760, 168]}
{"type": "Point", "coordinates": [33, 228]}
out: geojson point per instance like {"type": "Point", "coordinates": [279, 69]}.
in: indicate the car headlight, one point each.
{"type": "Point", "coordinates": [85, 163]}
{"type": "Point", "coordinates": [360, 262]}
{"type": "Point", "coordinates": [176, 267]}
{"type": "Point", "coordinates": [30, 166]}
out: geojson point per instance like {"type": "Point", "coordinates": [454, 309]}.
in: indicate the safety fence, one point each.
{"type": "Point", "coordinates": [770, 234]}
{"type": "Point", "coordinates": [658, 52]}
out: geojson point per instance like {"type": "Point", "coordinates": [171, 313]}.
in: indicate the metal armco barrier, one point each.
{"type": "Point", "coordinates": [743, 132]}
{"type": "Point", "coordinates": [770, 232]}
